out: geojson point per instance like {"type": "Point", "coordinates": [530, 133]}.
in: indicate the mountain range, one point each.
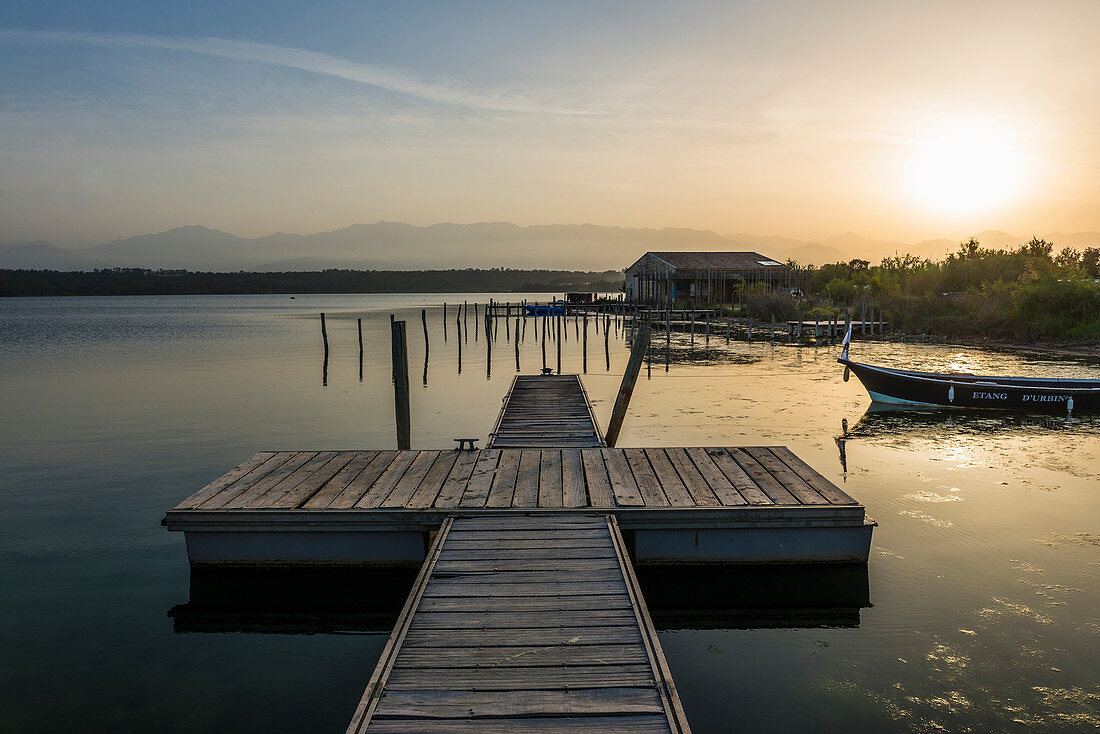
{"type": "Point", "coordinates": [399, 246]}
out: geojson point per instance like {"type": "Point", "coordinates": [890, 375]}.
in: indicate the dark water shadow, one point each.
{"type": "Point", "coordinates": [336, 601]}
{"type": "Point", "coordinates": [755, 597]}
{"type": "Point", "coordinates": [293, 601]}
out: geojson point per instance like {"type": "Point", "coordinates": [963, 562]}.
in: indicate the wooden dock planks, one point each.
{"type": "Point", "coordinates": [546, 410]}
{"type": "Point", "coordinates": [507, 630]}
{"type": "Point", "coordinates": [515, 478]}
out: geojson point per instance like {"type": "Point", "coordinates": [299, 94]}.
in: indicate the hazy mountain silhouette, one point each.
{"type": "Point", "coordinates": [400, 246]}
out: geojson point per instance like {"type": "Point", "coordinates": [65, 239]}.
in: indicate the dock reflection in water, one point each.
{"type": "Point", "coordinates": [342, 601]}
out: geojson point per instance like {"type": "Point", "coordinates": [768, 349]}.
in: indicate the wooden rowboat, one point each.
{"type": "Point", "coordinates": [907, 387]}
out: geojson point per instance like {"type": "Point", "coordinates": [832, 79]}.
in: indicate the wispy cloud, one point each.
{"type": "Point", "coordinates": [391, 79]}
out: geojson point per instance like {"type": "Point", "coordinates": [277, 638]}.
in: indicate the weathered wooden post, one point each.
{"type": "Point", "coordinates": [400, 355]}
{"type": "Point", "coordinates": [750, 329]}
{"type": "Point", "coordinates": [324, 335]}
{"type": "Point", "coordinates": [517, 344]}
{"type": "Point", "coordinates": [708, 327]}
{"type": "Point", "coordinates": [584, 345]}
{"type": "Point", "coordinates": [444, 322]}
{"type": "Point", "coordinates": [359, 323]}
{"type": "Point", "coordinates": [559, 343]}
{"type": "Point", "coordinates": [424, 321]}
{"type": "Point", "coordinates": [626, 389]}
{"type": "Point", "coordinates": [543, 336]}
{"type": "Point", "coordinates": [771, 335]}
{"type": "Point", "coordinates": [607, 343]}
{"type": "Point", "coordinates": [476, 318]}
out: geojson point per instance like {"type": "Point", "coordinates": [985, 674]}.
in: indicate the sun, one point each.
{"type": "Point", "coordinates": [966, 171]}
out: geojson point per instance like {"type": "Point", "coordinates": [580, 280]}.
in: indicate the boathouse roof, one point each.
{"type": "Point", "coordinates": [712, 261]}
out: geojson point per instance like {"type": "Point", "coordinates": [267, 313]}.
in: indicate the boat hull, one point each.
{"type": "Point", "coordinates": [901, 387]}
{"type": "Point", "coordinates": [543, 310]}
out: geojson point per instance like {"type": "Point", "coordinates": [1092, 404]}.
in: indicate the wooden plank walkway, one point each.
{"type": "Point", "coordinates": [522, 624]}
{"type": "Point", "coordinates": [546, 410]}
{"type": "Point", "coordinates": [495, 478]}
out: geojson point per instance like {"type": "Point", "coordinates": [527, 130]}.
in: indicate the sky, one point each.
{"type": "Point", "coordinates": [898, 120]}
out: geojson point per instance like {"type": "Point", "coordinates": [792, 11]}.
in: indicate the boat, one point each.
{"type": "Point", "coordinates": [557, 308]}
{"type": "Point", "coordinates": [964, 390]}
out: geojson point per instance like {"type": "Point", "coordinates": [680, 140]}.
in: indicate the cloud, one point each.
{"type": "Point", "coordinates": [388, 78]}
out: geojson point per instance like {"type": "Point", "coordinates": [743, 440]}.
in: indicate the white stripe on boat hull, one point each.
{"type": "Point", "coordinates": [883, 398]}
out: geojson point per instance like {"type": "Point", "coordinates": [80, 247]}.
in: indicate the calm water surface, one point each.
{"type": "Point", "coordinates": [979, 610]}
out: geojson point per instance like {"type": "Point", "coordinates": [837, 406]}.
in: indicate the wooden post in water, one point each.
{"type": "Point", "coordinates": [607, 343]}
{"type": "Point", "coordinates": [584, 345]}
{"type": "Point", "coordinates": [626, 389]}
{"type": "Point", "coordinates": [693, 326]}
{"type": "Point", "coordinates": [559, 344]}
{"type": "Point", "coordinates": [543, 336]}
{"type": "Point", "coordinates": [476, 327]}
{"type": "Point", "coordinates": [771, 336]}
{"type": "Point", "coordinates": [708, 328]}
{"type": "Point", "coordinates": [324, 362]}
{"type": "Point", "coordinates": [359, 323]}
{"type": "Point", "coordinates": [400, 354]}
{"type": "Point", "coordinates": [424, 321]}
{"type": "Point", "coordinates": [444, 322]}
{"type": "Point", "coordinates": [750, 329]}
{"type": "Point", "coordinates": [517, 344]}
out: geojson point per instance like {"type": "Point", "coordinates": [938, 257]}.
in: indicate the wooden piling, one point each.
{"type": "Point", "coordinates": [750, 328]}
{"type": "Point", "coordinates": [444, 322]}
{"type": "Point", "coordinates": [626, 389]}
{"type": "Point", "coordinates": [559, 344]}
{"type": "Point", "coordinates": [324, 335]}
{"type": "Point", "coordinates": [771, 335]}
{"type": "Point", "coordinates": [359, 323]}
{"type": "Point", "coordinates": [584, 345]}
{"type": "Point", "coordinates": [424, 321]}
{"type": "Point", "coordinates": [607, 344]}
{"type": "Point", "coordinates": [400, 355]}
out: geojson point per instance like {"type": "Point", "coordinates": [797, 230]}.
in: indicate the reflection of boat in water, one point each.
{"type": "Point", "coordinates": [882, 420]}
{"type": "Point", "coordinates": [557, 308]}
{"type": "Point", "coordinates": [908, 387]}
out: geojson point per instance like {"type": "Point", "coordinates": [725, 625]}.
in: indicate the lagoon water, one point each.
{"type": "Point", "coordinates": [979, 610]}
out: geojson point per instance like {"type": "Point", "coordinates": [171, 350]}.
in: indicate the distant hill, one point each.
{"type": "Point", "coordinates": [400, 246]}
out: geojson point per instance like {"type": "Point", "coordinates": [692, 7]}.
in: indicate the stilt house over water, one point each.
{"type": "Point", "coordinates": [659, 278]}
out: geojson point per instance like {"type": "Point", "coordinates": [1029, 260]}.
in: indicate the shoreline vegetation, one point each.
{"type": "Point", "coordinates": [1025, 296]}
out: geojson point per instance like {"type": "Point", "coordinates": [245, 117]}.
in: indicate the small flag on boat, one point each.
{"type": "Point", "coordinates": [844, 344]}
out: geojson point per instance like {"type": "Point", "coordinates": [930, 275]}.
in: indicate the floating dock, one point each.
{"type": "Point", "coordinates": [523, 624]}
{"type": "Point", "coordinates": [740, 504]}
{"type": "Point", "coordinates": [526, 614]}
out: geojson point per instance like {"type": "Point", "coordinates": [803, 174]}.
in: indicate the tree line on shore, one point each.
{"type": "Point", "coordinates": [145, 282]}
{"type": "Point", "coordinates": [1031, 292]}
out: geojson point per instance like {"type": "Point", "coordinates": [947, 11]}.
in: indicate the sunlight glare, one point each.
{"type": "Point", "coordinates": [966, 172]}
